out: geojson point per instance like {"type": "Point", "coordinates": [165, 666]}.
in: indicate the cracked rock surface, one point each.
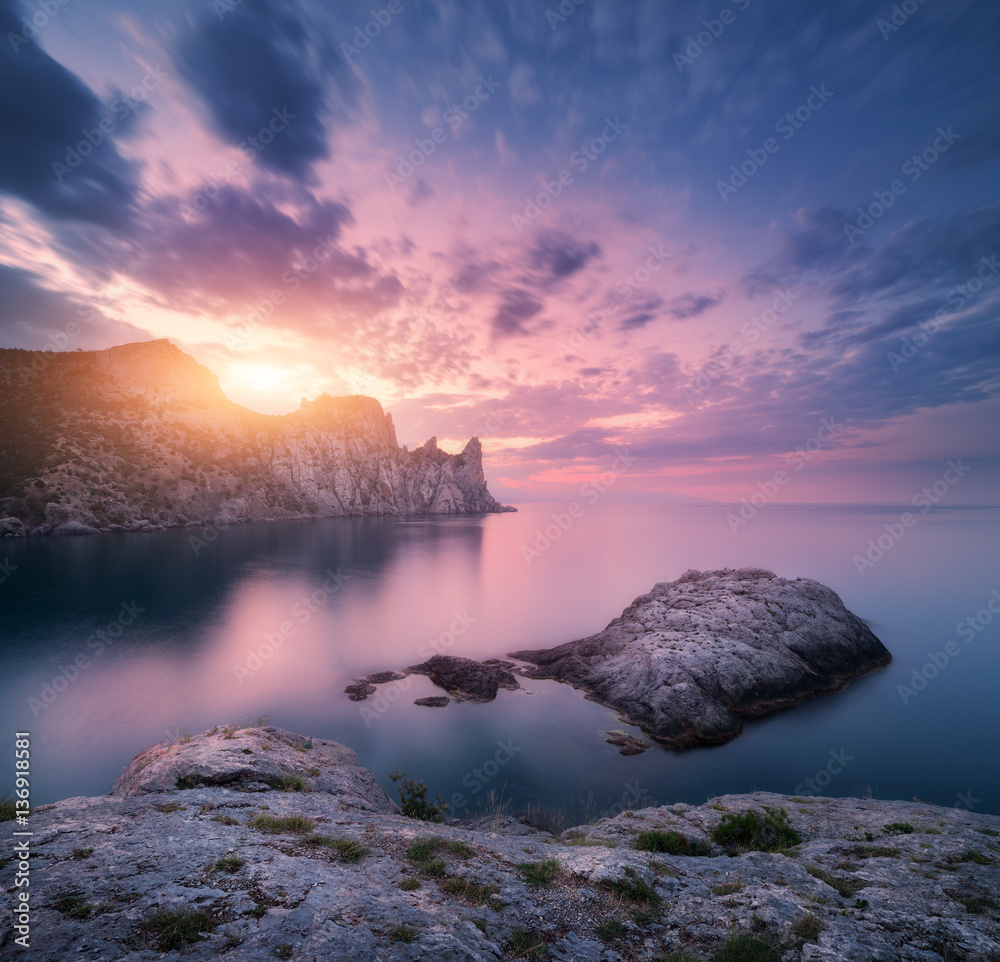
{"type": "Point", "coordinates": [323, 867]}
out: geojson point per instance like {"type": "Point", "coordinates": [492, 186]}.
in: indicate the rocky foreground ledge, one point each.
{"type": "Point", "coordinates": [691, 659]}
{"type": "Point", "coordinates": [258, 844]}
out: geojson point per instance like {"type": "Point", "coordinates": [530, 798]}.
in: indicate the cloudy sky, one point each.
{"type": "Point", "coordinates": [707, 235]}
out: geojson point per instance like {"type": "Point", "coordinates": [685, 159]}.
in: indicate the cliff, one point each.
{"type": "Point", "coordinates": [692, 658]}
{"type": "Point", "coordinates": [258, 844]}
{"type": "Point", "coordinates": [142, 436]}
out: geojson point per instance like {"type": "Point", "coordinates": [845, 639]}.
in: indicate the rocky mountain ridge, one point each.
{"type": "Point", "coordinates": [141, 436]}
{"type": "Point", "coordinates": [256, 844]}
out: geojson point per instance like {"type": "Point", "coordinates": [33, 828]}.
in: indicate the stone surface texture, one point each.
{"type": "Point", "coordinates": [103, 867]}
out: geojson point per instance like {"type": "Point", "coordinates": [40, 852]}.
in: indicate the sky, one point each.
{"type": "Point", "coordinates": [683, 246]}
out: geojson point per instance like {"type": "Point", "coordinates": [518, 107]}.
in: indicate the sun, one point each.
{"type": "Point", "coordinates": [262, 377]}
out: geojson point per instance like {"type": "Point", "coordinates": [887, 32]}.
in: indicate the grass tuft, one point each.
{"type": "Point", "coordinates": [525, 944]}
{"type": "Point", "coordinates": [634, 888]}
{"type": "Point", "coordinates": [402, 933]}
{"type": "Point", "coordinates": [273, 825]}
{"type": "Point", "coordinates": [845, 886]}
{"type": "Point", "coordinates": [727, 888]}
{"type": "Point", "coordinates": [475, 892]}
{"type": "Point", "coordinates": [540, 873]}
{"type": "Point", "coordinates": [81, 853]}
{"type": "Point", "coordinates": [347, 849]}
{"type": "Point", "coordinates": [228, 863]}
{"type": "Point", "coordinates": [609, 930]}
{"type": "Point", "coordinates": [172, 929]}
{"type": "Point", "coordinates": [808, 927]}
{"type": "Point", "coordinates": [748, 948]}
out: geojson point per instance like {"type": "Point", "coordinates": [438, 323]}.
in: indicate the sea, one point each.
{"type": "Point", "coordinates": [113, 643]}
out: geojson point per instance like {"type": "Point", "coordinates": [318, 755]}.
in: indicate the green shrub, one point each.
{"type": "Point", "coordinates": [897, 828]}
{"type": "Point", "coordinates": [413, 799]}
{"type": "Point", "coordinates": [669, 843]}
{"type": "Point", "coordinates": [409, 884]}
{"type": "Point", "coordinates": [766, 831]}
{"type": "Point", "coordinates": [81, 853]}
{"type": "Point", "coordinates": [402, 933]}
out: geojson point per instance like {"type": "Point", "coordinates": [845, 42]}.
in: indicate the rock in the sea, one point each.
{"type": "Point", "coordinates": [252, 865]}
{"type": "Point", "coordinates": [465, 679]}
{"type": "Point", "coordinates": [626, 744]}
{"type": "Point", "coordinates": [433, 701]}
{"type": "Point", "coordinates": [13, 528]}
{"type": "Point", "coordinates": [384, 677]}
{"type": "Point", "coordinates": [694, 657]}
{"type": "Point", "coordinates": [74, 528]}
{"type": "Point", "coordinates": [360, 690]}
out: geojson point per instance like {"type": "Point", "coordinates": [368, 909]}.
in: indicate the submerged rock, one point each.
{"type": "Point", "coordinates": [360, 690]}
{"type": "Point", "coordinates": [465, 679]}
{"type": "Point", "coordinates": [627, 744]}
{"type": "Point", "coordinates": [331, 874]}
{"type": "Point", "coordinates": [691, 659]}
{"type": "Point", "coordinates": [433, 701]}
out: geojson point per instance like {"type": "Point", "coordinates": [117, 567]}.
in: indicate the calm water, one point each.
{"type": "Point", "coordinates": [461, 585]}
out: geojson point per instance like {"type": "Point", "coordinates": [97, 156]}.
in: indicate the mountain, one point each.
{"type": "Point", "coordinates": [142, 435]}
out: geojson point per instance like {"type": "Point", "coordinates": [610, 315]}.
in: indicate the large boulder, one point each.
{"type": "Point", "coordinates": [694, 657]}
{"type": "Point", "coordinates": [254, 759]}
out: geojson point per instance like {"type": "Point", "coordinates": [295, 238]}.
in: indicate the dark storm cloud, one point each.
{"type": "Point", "coordinates": [267, 56]}
{"type": "Point", "coordinates": [562, 255]}
{"type": "Point", "coordinates": [45, 110]}
{"type": "Point", "coordinates": [242, 247]}
{"type": "Point", "coordinates": [516, 307]}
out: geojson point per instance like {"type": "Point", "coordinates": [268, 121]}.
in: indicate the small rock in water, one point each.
{"type": "Point", "coordinates": [433, 701]}
{"type": "Point", "coordinates": [360, 690]}
{"type": "Point", "coordinates": [465, 679]}
{"type": "Point", "coordinates": [382, 677]}
{"type": "Point", "coordinates": [627, 744]}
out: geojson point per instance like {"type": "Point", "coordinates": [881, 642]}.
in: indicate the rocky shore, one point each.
{"type": "Point", "coordinates": [258, 844]}
{"type": "Point", "coordinates": [691, 659]}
